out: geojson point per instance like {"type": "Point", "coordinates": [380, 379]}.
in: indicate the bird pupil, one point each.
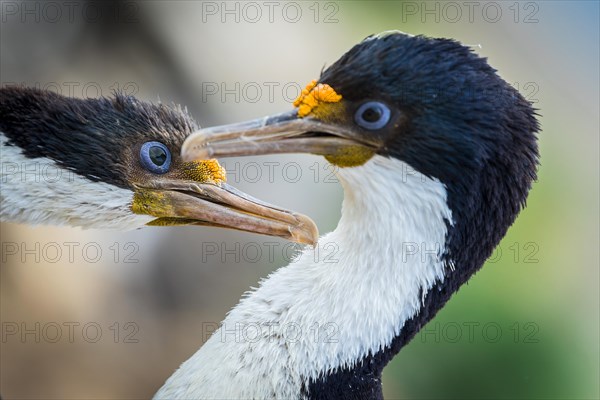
{"type": "Point", "coordinates": [157, 155]}
{"type": "Point", "coordinates": [372, 114]}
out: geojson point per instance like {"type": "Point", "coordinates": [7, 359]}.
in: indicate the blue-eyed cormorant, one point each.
{"type": "Point", "coordinates": [114, 163]}
{"type": "Point", "coordinates": [436, 155]}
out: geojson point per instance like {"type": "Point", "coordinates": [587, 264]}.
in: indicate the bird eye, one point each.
{"type": "Point", "coordinates": [372, 115]}
{"type": "Point", "coordinates": [155, 157]}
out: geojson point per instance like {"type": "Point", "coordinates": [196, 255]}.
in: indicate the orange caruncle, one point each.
{"type": "Point", "coordinates": [313, 95]}
{"type": "Point", "coordinates": [205, 171]}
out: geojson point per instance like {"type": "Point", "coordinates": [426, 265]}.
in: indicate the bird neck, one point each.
{"type": "Point", "coordinates": [38, 190]}
{"type": "Point", "coordinates": [336, 304]}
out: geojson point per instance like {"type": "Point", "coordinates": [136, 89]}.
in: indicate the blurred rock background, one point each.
{"type": "Point", "coordinates": [109, 315]}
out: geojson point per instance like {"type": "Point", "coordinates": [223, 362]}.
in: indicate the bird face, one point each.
{"type": "Point", "coordinates": [430, 103]}
{"type": "Point", "coordinates": [425, 101]}
{"type": "Point", "coordinates": [125, 156]}
{"type": "Point", "coordinates": [195, 193]}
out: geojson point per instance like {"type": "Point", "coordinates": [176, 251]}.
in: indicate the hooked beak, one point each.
{"type": "Point", "coordinates": [181, 202]}
{"type": "Point", "coordinates": [281, 133]}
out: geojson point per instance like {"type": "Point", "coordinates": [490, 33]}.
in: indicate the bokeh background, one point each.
{"type": "Point", "coordinates": [113, 319]}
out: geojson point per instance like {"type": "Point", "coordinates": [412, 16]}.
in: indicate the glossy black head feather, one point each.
{"type": "Point", "coordinates": [95, 138]}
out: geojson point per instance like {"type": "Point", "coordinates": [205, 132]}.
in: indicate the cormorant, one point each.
{"type": "Point", "coordinates": [436, 156]}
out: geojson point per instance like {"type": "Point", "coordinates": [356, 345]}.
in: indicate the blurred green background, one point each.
{"type": "Point", "coordinates": [526, 326]}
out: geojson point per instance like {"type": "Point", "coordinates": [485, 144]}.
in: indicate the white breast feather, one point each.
{"type": "Point", "coordinates": [359, 286]}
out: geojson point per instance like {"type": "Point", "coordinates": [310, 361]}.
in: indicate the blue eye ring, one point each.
{"type": "Point", "coordinates": [155, 157]}
{"type": "Point", "coordinates": [372, 115]}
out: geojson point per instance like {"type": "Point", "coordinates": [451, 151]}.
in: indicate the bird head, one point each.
{"type": "Point", "coordinates": [431, 104]}
{"type": "Point", "coordinates": [118, 165]}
